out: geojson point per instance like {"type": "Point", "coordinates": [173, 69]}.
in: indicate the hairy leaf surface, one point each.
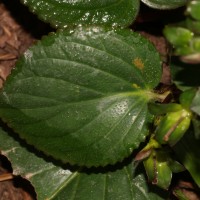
{"type": "Point", "coordinates": [62, 13]}
{"type": "Point", "coordinates": [54, 182]}
{"type": "Point", "coordinates": [81, 96]}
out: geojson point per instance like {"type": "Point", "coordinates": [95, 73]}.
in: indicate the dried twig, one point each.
{"type": "Point", "coordinates": [6, 177]}
{"type": "Point", "coordinates": [7, 56]}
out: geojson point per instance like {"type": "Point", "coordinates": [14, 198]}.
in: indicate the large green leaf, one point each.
{"type": "Point", "coordinates": [81, 96]}
{"type": "Point", "coordinates": [45, 176]}
{"type": "Point", "coordinates": [62, 13]}
{"type": "Point", "coordinates": [53, 182]}
{"type": "Point", "coordinates": [163, 4]}
{"type": "Point", "coordinates": [187, 150]}
{"type": "Point", "coordinates": [196, 103]}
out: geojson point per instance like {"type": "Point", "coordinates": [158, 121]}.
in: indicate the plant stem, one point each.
{"type": "Point", "coordinates": [159, 97]}
{"type": "Point", "coordinates": [167, 135]}
{"type": "Point", "coordinates": [5, 177]}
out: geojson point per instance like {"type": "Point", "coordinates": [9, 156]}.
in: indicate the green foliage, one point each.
{"type": "Point", "coordinates": [161, 109]}
{"type": "Point", "coordinates": [193, 9]}
{"type": "Point", "coordinates": [184, 36]}
{"type": "Point", "coordinates": [178, 36]}
{"type": "Point", "coordinates": [158, 170]}
{"type": "Point", "coordinates": [83, 98]}
{"type": "Point", "coordinates": [163, 4]}
{"type": "Point", "coordinates": [187, 97]}
{"type": "Point", "coordinates": [64, 13]}
{"type": "Point", "coordinates": [83, 109]}
{"type": "Point", "coordinates": [172, 127]}
{"type": "Point", "coordinates": [54, 181]}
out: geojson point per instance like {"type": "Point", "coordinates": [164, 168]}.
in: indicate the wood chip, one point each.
{"type": "Point", "coordinates": [6, 177]}
{"type": "Point", "coordinates": [7, 56]}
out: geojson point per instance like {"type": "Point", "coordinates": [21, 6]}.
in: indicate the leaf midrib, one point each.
{"type": "Point", "coordinates": [62, 186]}
{"type": "Point", "coordinates": [111, 95]}
{"type": "Point", "coordinates": [114, 126]}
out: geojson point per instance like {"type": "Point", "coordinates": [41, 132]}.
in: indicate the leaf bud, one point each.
{"type": "Point", "coordinates": [172, 127]}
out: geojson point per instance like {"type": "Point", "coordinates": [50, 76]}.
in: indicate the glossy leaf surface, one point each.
{"type": "Point", "coordinates": [82, 96]}
{"type": "Point", "coordinates": [62, 13]}
{"type": "Point", "coordinates": [63, 184]}
{"type": "Point", "coordinates": [172, 127]}
{"type": "Point", "coordinates": [163, 4]}
{"type": "Point", "coordinates": [157, 169]}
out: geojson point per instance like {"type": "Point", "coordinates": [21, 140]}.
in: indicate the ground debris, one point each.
{"type": "Point", "coordinates": [14, 40]}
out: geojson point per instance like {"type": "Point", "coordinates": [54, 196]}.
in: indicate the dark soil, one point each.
{"type": "Point", "coordinates": [19, 29]}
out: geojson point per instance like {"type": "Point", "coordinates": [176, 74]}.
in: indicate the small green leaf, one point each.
{"type": "Point", "coordinates": [164, 175]}
{"type": "Point", "coordinates": [190, 52]}
{"type": "Point", "coordinates": [195, 107]}
{"type": "Point", "coordinates": [160, 109]}
{"type": "Point", "coordinates": [157, 169]}
{"type": "Point", "coordinates": [196, 44]}
{"type": "Point", "coordinates": [186, 98]}
{"type": "Point", "coordinates": [81, 96]}
{"type": "Point", "coordinates": [187, 150]}
{"type": "Point", "coordinates": [150, 168]}
{"type": "Point", "coordinates": [63, 13]}
{"type": "Point", "coordinates": [163, 4]}
{"type": "Point", "coordinates": [175, 166]}
{"type": "Point", "coordinates": [54, 182]}
{"type": "Point", "coordinates": [185, 50]}
{"type": "Point", "coordinates": [172, 127]}
{"type": "Point", "coordinates": [193, 9]}
{"type": "Point", "coordinates": [178, 36]}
